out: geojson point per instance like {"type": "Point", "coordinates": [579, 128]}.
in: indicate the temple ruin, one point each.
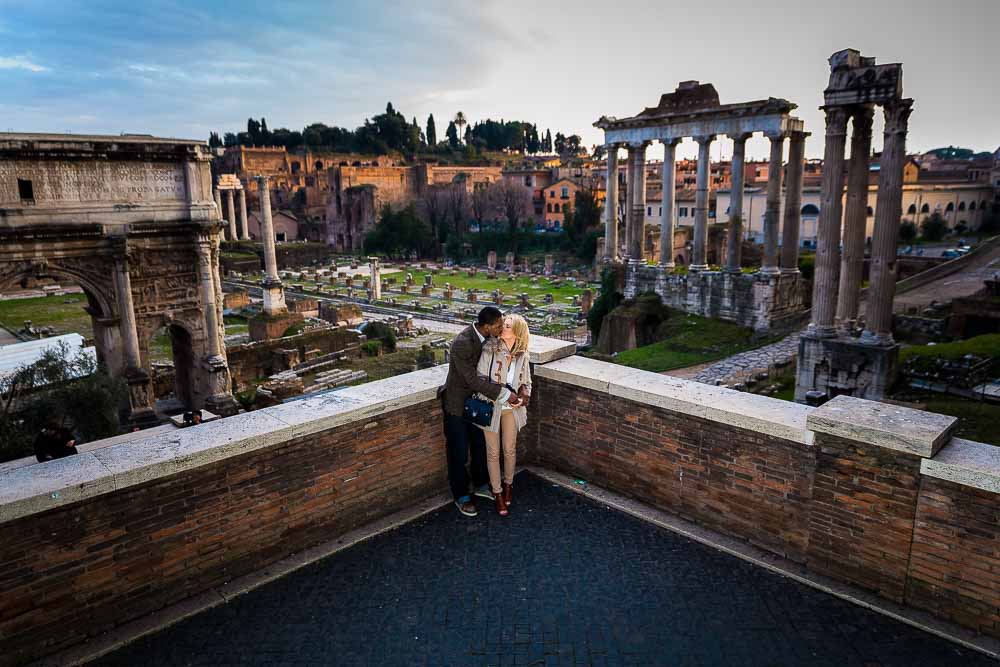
{"type": "Point", "coordinates": [132, 220]}
{"type": "Point", "coordinates": [760, 300]}
{"type": "Point", "coordinates": [836, 355]}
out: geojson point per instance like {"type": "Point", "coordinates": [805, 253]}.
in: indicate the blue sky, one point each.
{"type": "Point", "coordinates": [185, 68]}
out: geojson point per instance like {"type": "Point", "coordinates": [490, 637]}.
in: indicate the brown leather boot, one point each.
{"type": "Point", "coordinates": [508, 493]}
{"type": "Point", "coordinates": [501, 505]}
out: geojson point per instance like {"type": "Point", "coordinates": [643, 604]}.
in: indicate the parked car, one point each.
{"type": "Point", "coordinates": [951, 253]}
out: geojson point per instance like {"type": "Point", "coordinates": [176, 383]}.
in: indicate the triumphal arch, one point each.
{"type": "Point", "coordinates": [132, 220]}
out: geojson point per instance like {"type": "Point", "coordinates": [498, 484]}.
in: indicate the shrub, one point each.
{"type": "Point", "coordinates": [372, 348]}
{"type": "Point", "coordinates": [807, 266]}
{"type": "Point", "coordinates": [383, 333]}
{"type": "Point", "coordinates": [907, 232]}
{"type": "Point", "coordinates": [934, 228]}
{"type": "Point", "coordinates": [605, 303]}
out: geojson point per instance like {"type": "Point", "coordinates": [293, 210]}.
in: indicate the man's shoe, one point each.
{"type": "Point", "coordinates": [501, 505]}
{"type": "Point", "coordinates": [508, 493]}
{"type": "Point", "coordinates": [484, 492]}
{"type": "Point", "coordinates": [468, 508]}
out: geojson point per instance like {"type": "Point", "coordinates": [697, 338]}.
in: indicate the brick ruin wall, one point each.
{"type": "Point", "coordinates": [267, 357]}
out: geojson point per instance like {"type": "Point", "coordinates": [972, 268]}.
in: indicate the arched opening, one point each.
{"type": "Point", "coordinates": [949, 208]}
{"type": "Point", "coordinates": [925, 209]}
{"type": "Point", "coordinates": [810, 209]}
{"type": "Point", "coordinates": [870, 211]}
{"type": "Point", "coordinates": [319, 165]}
{"type": "Point", "coordinates": [296, 167]}
{"type": "Point", "coordinates": [171, 360]}
{"type": "Point", "coordinates": [912, 209]}
{"type": "Point", "coordinates": [972, 206]}
{"type": "Point", "coordinates": [961, 206]}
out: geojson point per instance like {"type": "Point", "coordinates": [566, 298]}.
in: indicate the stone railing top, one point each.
{"type": "Point", "coordinates": [882, 424]}
{"type": "Point", "coordinates": [966, 462]}
{"type": "Point", "coordinates": [150, 455]}
{"type": "Point", "coordinates": [765, 415]}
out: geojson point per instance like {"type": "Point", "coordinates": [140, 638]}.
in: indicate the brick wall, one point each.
{"type": "Point", "coordinates": [861, 522]}
{"type": "Point", "coordinates": [954, 568]}
{"type": "Point", "coordinates": [740, 482]}
{"type": "Point", "coordinates": [83, 568]}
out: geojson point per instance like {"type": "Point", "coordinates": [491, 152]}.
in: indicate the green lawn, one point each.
{"type": "Point", "coordinates": [691, 340]}
{"type": "Point", "coordinates": [976, 420]}
{"type": "Point", "coordinates": [982, 346]}
{"type": "Point", "coordinates": [64, 313]}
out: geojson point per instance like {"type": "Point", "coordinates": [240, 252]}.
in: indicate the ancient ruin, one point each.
{"type": "Point", "coordinates": [132, 221]}
{"type": "Point", "coordinates": [834, 357]}
{"type": "Point", "coordinates": [759, 300]}
{"type": "Point", "coordinates": [229, 184]}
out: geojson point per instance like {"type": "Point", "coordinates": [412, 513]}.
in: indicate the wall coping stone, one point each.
{"type": "Point", "coordinates": [762, 414]}
{"type": "Point", "coordinates": [883, 424]}
{"type": "Point", "coordinates": [966, 462]}
{"type": "Point", "coordinates": [147, 456]}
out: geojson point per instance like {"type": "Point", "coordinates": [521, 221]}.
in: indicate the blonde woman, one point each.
{"type": "Point", "coordinates": [504, 360]}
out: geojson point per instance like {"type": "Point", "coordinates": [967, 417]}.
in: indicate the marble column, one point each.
{"type": "Point", "coordinates": [824, 300]}
{"type": "Point", "coordinates": [639, 206]}
{"type": "Point", "coordinates": [611, 207]}
{"type": "Point", "coordinates": [699, 254]}
{"type": "Point", "coordinates": [630, 184]}
{"type": "Point", "coordinates": [772, 209]}
{"type": "Point", "coordinates": [218, 202]}
{"type": "Point", "coordinates": [852, 262]}
{"type": "Point", "coordinates": [139, 390]}
{"type": "Point", "coordinates": [667, 204]}
{"type": "Point", "coordinates": [274, 294]}
{"type": "Point", "coordinates": [231, 214]}
{"type": "Point", "coordinates": [792, 216]}
{"type": "Point", "coordinates": [206, 285]}
{"type": "Point", "coordinates": [888, 210]}
{"type": "Point", "coordinates": [734, 238]}
{"type": "Point", "coordinates": [244, 227]}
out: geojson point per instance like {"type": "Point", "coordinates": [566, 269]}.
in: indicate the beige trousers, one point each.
{"type": "Point", "coordinates": [508, 434]}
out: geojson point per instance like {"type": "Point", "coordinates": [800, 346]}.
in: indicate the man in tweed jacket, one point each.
{"type": "Point", "coordinates": [461, 437]}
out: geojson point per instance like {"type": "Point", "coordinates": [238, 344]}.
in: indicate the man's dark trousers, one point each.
{"type": "Point", "coordinates": [461, 439]}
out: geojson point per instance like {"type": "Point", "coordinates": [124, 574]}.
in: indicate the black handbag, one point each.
{"type": "Point", "coordinates": [477, 410]}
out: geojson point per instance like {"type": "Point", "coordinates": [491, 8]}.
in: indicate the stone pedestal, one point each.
{"type": "Point", "coordinates": [842, 365]}
{"type": "Point", "coordinates": [267, 327]}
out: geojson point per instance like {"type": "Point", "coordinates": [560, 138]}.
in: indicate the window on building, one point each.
{"type": "Point", "coordinates": [972, 206]}
{"type": "Point", "coordinates": [912, 209]}
{"type": "Point", "coordinates": [810, 209]}
{"type": "Point", "coordinates": [25, 190]}
{"type": "Point", "coordinates": [649, 211]}
{"type": "Point", "coordinates": [279, 237]}
{"type": "Point", "coordinates": [552, 194]}
{"type": "Point", "coordinates": [548, 207]}
{"type": "Point", "coordinates": [565, 192]}
{"type": "Point", "coordinates": [925, 209]}
{"type": "Point", "coordinates": [295, 167]}
{"type": "Point", "coordinates": [961, 206]}
{"type": "Point", "coordinates": [949, 208]}
{"type": "Point", "coordinates": [682, 212]}
{"type": "Point", "coordinates": [660, 211]}
{"type": "Point", "coordinates": [527, 181]}
{"type": "Point", "coordinates": [319, 165]}
{"type": "Point", "coordinates": [870, 211]}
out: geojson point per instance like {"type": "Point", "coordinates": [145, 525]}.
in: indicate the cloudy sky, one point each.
{"type": "Point", "coordinates": [184, 68]}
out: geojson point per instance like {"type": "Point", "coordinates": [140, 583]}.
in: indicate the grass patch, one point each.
{"type": "Point", "coordinates": [63, 313]}
{"type": "Point", "coordinates": [690, 340]}
{"type": "Point", "coordinates": [976, 420]}
{"type": "Point", "coordinates": [987, 345]}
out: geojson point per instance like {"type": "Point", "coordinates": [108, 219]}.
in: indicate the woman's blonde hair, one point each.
{"type": "Point", "coordinates": [520, 328]}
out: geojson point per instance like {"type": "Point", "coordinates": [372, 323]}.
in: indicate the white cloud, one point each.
{"type": "Point", "coordinates": [21, 62]}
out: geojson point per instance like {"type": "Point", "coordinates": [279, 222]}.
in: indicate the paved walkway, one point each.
{"type": "Point", "coordinates": [964, 282]}
{"type": "Point", "coordinates": [562, 581]}
{"type": "Point", "coordinates": [743, 365]}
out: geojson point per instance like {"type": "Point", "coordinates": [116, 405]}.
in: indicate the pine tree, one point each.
{"type": "Point", "coordinates": [431, 132]}
{"type": "Point", "coordinates": [548, 142]}
{"type": "Point", "coordinates": [452, 134]}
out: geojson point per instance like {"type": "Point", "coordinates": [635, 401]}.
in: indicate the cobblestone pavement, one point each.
{"type": "Point", "coordinates": [740, 366]}
{"type": "Point", "coordinates": [562, 581]}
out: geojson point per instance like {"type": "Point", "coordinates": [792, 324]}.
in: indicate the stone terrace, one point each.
{"type": "Point", "coordinates": [877, 500]}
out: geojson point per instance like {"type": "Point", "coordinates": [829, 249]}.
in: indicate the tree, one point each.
{"type": "Point", "coordinates": [434, 207]}
{"type": "Point", "coordinates": [460, 121]}
{"type": "Point", "coordinates": [482, 207]}
{"type": "Point", "coordinates": [457, 204]}
{"type": "Point", "coordinates": [582, 224]}
{"type": "Point", "coordinates": [560, 144]}
{"type": "Point", "coordinates": [452, 134]}
{"type": "Point", "coordinates": [547, 147]}
{"type": "Point", "coordinates": [907, 232]}
{"type": "Point", "coordinates": [468, 137]}
{"type": "Point", "coordinates": [513, 202]}
{"type": "Point", "coordinates": [63, 387]}
{"type": "Point", "coordinates": [399, 233]}
{"type": "Point", "coordinates": [608, 300]}
{"type": "Point", "coordinates": [599, 151]}
{"type": "Point", "coordinates": [213, 140]}
{"type": "Point", "coordinates": [934, 228]}
{"type": "Point", "coordinates": [431, 132]}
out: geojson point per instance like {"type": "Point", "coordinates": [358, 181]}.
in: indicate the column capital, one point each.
{"type": "Point", "coordinates": [863, 117]}
{"type": "Point", "coordinates": [261, 181]}
{"type": "Point", "coordinates": [671, 141]}
{"type": "Point", "coordinates": [836, 119]}
{"type": "Point", "coordinates": [637, 145]}
{"type": "Point", "coordinates": [704, 138]}
{"type": "Point", "coordinates": [897, 116]}
{"type": "Point", "coordinates": [798, 135]}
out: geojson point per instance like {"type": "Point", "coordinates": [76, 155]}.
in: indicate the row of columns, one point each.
{"type": "Point", "coordinates": [244, 232]}
{"type": "Point", "coordinates": [635, 208]}
{"type": "Point", "coordinates": [837, 282]}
